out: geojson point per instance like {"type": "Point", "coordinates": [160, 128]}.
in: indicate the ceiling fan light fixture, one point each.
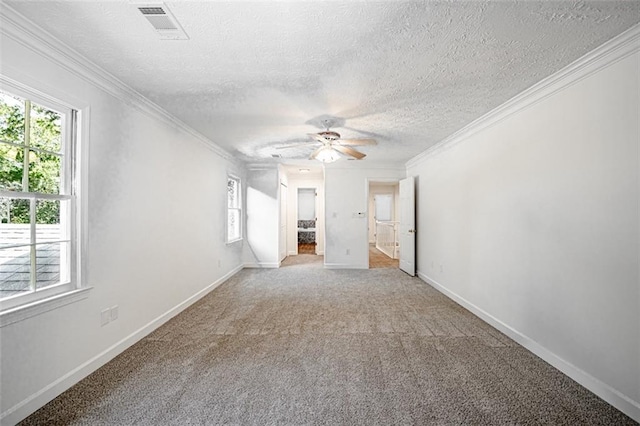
{"type": "Point", "coordinates": [327, 155]}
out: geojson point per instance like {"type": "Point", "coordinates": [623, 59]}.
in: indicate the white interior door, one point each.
{"type": "Point", "coordinates": [407, 228]}
{"type": "Point", "coordinates": [283, 221]}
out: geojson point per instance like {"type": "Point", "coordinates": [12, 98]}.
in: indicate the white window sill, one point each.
{"type": "Point", "coordinates": [233, 241]}
{"type": "Point", "coordinates": [22, 312]}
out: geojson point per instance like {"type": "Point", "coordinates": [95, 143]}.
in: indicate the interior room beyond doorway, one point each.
{"type": "Point", "coordinates": [384, 249]}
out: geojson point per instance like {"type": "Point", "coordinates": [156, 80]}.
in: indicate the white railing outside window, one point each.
{"type": "Point", "coordinates": [387, 238]}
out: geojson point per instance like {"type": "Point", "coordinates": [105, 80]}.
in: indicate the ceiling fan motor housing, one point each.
{"type": "Point", "coordinates": [329, 135]}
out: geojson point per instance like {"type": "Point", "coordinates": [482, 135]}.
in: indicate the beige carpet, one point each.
{"type": "Point", "coordinates": [302, 345]}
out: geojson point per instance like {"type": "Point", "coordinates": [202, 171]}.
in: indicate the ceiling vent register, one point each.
{"type": "Point", "coordinates": [163, 22]}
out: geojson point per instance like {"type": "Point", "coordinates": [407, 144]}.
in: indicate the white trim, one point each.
{"type": "Point", "coordinates": [612, 396]}
{"type": "Point", "coordinates": [22, 312]}
{"type": "Point", "coordinates": [32, 403]}
{"type": "Point", "coordinates": [20, 307]}
{"type": "Point", "coordinates": [262, 264]}
{"type": "Point", "coordinates": [605, 55]}
{"type": "Point", "coordinates": [22, 30]}
{"type": "Point", "coordinates": [344, 266]}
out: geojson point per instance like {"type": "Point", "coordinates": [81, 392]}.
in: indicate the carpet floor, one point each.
{"type": "Point", "coordinates": [302, 345]}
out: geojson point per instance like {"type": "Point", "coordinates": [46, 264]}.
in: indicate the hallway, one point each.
{"type": "Point", "coordinates": [377, 259]}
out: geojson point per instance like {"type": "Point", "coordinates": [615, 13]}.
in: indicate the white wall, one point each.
{"type": "Point", "coordinates": [263, 218]}
{"type": "Point", "coordinates": [535, 222]}
{"type": "Point", "coordinates": [305, 181]}
{"type": "Point", "coordinates": [346, 189]}
{"type": "Point", "coordinates": [156, 224]}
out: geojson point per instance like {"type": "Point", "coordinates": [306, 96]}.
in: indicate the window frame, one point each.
{"type": "Point", "coordinates": [238, 181]}
{"type": "Point", "coordinates": [73, 179]}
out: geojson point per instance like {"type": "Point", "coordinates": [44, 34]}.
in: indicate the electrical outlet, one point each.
{"type": "Point", "coordinates": [105, 317]}
{"type": "Point", "coordinates": [114, 313]}
{"type": "Point", "coordinates": [441, 268]}
{"type": "Point", "coordinates": [348, 251]}
{"type": "Point", "coordinates": [219, 264]}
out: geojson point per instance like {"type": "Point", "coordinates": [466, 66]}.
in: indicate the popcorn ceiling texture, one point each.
{"type": "Point", "coordinates": [256, 76]}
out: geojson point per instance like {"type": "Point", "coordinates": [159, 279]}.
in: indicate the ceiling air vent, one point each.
{"type": "Point", "coordinates": [163, 22]}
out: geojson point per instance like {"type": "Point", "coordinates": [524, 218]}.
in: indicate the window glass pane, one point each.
{"type": "Point", "coordinates": [44, 172]}
{"type": "Point", "coordinates": [48, 227]}
{"type": "Point", "coordinates": [233, 225]}
{"type": "Point", "coordinates": [51, 265]}
{"type": "Point", "coordinates": [383, 207]}
{"type": "Point", "coordinates": [232, 193]}
{"type": "Point", "coordinates": [11, 167]}
{"type": "Point", "coordinates": [15, 264]}
{"type": "Point", "coordinates": [11, 232]}
{"type": "Point", "coordinates": [46, 129]}
{"type": "Point", "coordinates": [11, 118]}
{"type": "Point", "coordinates": [14, 210]}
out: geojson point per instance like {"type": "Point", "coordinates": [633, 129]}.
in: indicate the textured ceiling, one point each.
{"type": "Point", "coordinates": [256, 76]}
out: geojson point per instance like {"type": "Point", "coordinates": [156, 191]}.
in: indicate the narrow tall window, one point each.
{"type": "Point", "coordinates": [37, 247]}
{"type": "Point", "coordinates": [234, 209]}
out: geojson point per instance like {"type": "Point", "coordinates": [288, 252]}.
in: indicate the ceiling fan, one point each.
{"type": "Point", "coordinates": [332, 145]}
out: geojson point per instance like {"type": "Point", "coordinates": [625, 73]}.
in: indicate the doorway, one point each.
{"type": "Point", "coordinates": [383, 205]}
{"type": "Point", "coordinates": [307, 221]}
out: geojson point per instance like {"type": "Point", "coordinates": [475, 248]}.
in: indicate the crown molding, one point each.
{"type": "Point", "coordinates": [20, 29]}
{"type": "Point", "coordinates": [612, 51]}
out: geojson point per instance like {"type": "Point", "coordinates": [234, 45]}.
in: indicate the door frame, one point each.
{"type": "Point", "coordinates": [369, 181]}
{"type": "Point", "coordinates": [315, 206]}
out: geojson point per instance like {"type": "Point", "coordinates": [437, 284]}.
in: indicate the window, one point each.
{"type": "Point", "coordinates": [38, 236]}
{"type": "Point", "coordinates": [383, 203]}
{"type": "Point", "coordinates": [234, 209]}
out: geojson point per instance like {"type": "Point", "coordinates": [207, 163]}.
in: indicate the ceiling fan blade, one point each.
{"type": "Point", "coordinates": [315, 153]}
{"type": "Point", "coordinates": [349, 151]}
{"type": "Point", "coordinates": [357, 142]}
{"type": "Point", "coordinates": [317, 137]}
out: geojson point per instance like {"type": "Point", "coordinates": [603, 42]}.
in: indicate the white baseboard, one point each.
{"type": "Point", "coordinates": [262, 265]}
{"type": "Point", "coordinates": [612, 396]}
{"type": "Point", "coordinates": [29, 405]}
